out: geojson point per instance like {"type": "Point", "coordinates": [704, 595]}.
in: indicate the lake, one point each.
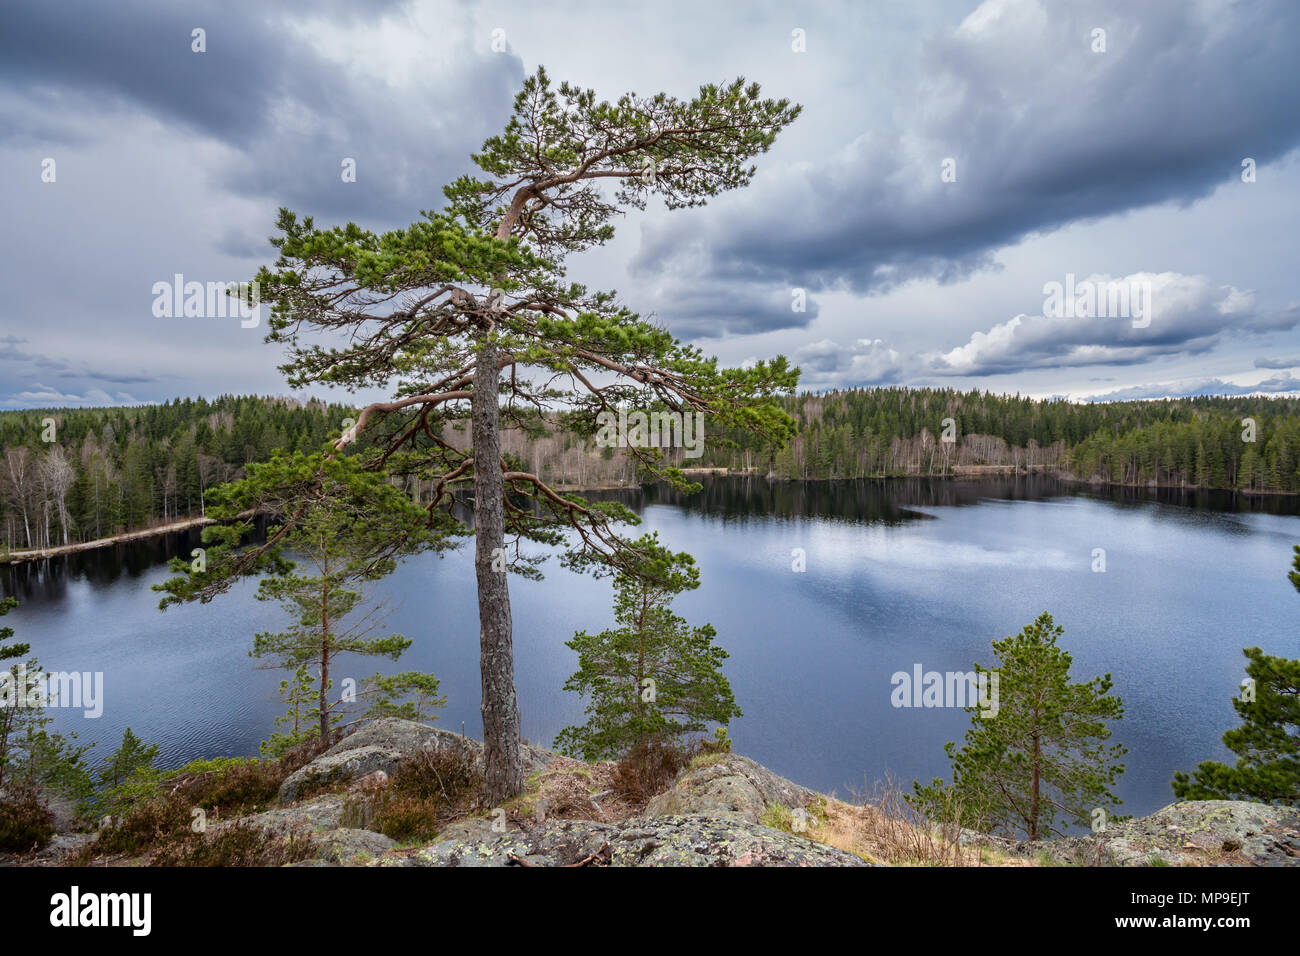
{"type": "Point", "coordinates": [898, 574]}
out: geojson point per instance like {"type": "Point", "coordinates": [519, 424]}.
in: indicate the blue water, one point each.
{"type": "Point", "coordinates": [897, 574]}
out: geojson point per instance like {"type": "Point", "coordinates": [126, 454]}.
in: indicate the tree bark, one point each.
{"type": "Point", "coordinates": [503, 759]}
{"type": "Point", "coordinates": [323, 689]}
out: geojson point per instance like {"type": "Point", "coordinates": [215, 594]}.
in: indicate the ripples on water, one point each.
{"type": "Point", "coordinates": [898, 573]}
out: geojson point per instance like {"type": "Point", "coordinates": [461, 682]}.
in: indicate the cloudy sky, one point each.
{"type": "Point", "coordinates": [953, 160]}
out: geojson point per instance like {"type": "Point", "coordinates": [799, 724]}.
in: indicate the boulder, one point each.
{"type": "Point", "coordinates": [1194, 833]}
{"type": "Point", "coordinates": [321, 820]}
{"type": "Point", "coordinates": [381, 745]}
{"type": "Point", "coordinates": [351, 846]}
{"type": "Point", "coordinates": [676, 840]}
{"type": "Point", "coordinates": [730, 787]}
{"type": "Point", "coordinates": [319, 815]}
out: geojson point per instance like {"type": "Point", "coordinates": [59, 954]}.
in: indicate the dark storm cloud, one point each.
{"type": "Point", "coordinates": [1045, 132]}
{"type": "Point", "coordinates": [291, 114]}
{"type": "Point", "coordinates": [709, 309]}
{"type": "Point", "coordinates": [140, 52]}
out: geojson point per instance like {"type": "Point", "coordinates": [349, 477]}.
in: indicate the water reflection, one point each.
{"type": "Point", "coordinates": [898, 572]}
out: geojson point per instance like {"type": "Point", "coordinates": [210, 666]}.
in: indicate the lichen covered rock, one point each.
{"type": "Point", "coordinates": [674, 840]}
{"type": "Point", "coordinates": [729, 786]}
{"type": "Point", "coordinates": [1194, 833]}
{"type": "Point", "coordinates": [382, 745]}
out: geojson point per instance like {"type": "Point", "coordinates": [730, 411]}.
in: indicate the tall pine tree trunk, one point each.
{"type": "Point", "coordinates": [1034, 799]}
{"type": "Point", "coordinates": [501, 744]}
{"type": "Point", "coordinates": [323, 689]}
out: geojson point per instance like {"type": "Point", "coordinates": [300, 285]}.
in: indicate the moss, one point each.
{"type": "Point", "coordinates": [778, 818]}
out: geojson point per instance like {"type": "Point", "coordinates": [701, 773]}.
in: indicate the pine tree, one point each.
{"type": "Point", "coordinates": [342, 521]}
{"type": "Point", "coordinates": [32, 758]}
{"type": "Point", "coordinates": [13, 650]}
{"type": "Point", "coordinates": [1041, 755]}
{"type": "Point", "coordinates": [471, 305]}
{"type": "Point", "coordinates": [1267, 744]}
{"type": "Point", "coordinates": [127, 775]}
{"type": "Point", "coordinates": [411, 695]}
{"type": "Point", "coordinates": [302, 718]}
{"type": "Point", "coordinates": [653, 678]}
{"type": "Point", "coordinates": [130, 758]}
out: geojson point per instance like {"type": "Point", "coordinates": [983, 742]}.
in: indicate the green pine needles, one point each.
{"type": "Point", "coordinates": [1044, 757]}
{"type": "Point", "coordinates": [652, 678]}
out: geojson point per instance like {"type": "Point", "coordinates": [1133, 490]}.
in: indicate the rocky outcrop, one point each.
{"type": "Point", "coordinates": [674, 840]}
{"type": "Point", "coordinates": [381, 745]}
{"type": "Point", "coordinates": [710, 816]}
{"type": "Point", "coordinates": [1197, 833]}
{"type": "Point", "coordinates": [714, 814]}
{"type": "Point", "coordinates": [729, 786]}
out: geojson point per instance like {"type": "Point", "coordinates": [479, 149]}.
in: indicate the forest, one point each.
{"type": "Point", "coordinates": [1247, 443]}
{"type": "Point", "coordinates": [75, 475]}
{"type": "Point", "coordinates": [72, 475]}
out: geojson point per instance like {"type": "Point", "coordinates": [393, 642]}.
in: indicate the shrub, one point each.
{"type": "Point", "coordinates": [409, 818]}
{"type": "Point", "coordinates": [25, 822]}
{"type": "Point", "coordinates": [229, 784]}
{"type": "Point", "coordinates": [224, 786]}
{"type": "Point", "coordinates": [157, 818]}
{"type": "Point", "coordinates": [649, 768]}
{"type": "Point", "coordinates": [235, 845]}
{"type": "Point", "coordinates": [448, 774]}
{"type": "Point", "coordinates": [428, 788]}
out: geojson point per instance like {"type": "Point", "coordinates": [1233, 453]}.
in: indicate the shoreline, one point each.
{"type": "Point", "coordinates": [39, 554]}
{"type": "Point", "coordinates": [987, 471]}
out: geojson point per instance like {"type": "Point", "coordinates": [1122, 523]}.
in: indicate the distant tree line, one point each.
{"type": "Point", "coordinates": [1196, 442]}
{"type": "Point", "coordinates": [109, 470]}
{"type": "Point", "coordinates": [72, 475]}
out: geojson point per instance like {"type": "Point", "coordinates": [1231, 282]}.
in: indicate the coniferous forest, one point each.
{"type": "Point", "coordinates": [72, 475]}
{"type": "Point", "coordinates": [76, 475]}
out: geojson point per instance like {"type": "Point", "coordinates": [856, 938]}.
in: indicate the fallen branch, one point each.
{"type": "Point", "coordinates": [602, 857]}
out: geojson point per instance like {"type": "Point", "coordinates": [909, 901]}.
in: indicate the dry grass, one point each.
{"type": "Point", "coordinates": [882, 827]}
{"type": "Point", "coordinates": [26, 824]}
{"type": "Point", "coordinates": [572, 790]}
{"type": "Point", "coordinates": [235, 845]}
{"type": "Point", "coordinates": [429, 789]}
{"type": "Point", "coordinates": [895, 832]}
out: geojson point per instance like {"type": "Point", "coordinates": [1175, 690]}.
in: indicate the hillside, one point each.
{"type": "Point", "coordinates": [722, 810]}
